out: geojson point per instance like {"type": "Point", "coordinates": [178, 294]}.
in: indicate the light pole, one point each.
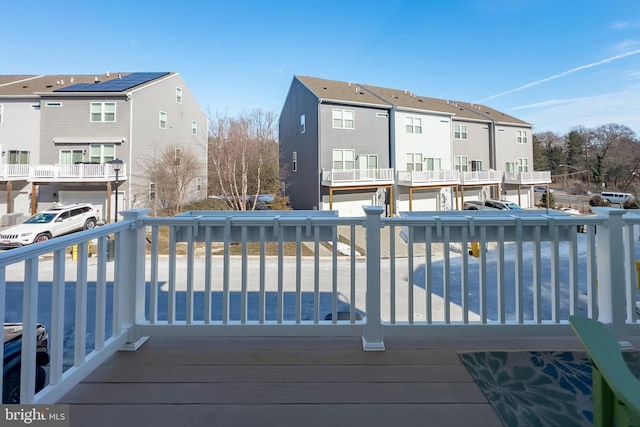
{"type": "Point", "coordinates": [116, 168]}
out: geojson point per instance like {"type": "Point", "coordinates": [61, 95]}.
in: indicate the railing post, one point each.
{"type": "Point", "coordinates": [372, 330]}
{"type": "Point", "coordinates": [130, 258]}
{"type": "Point", "coordinates": [611, 271]}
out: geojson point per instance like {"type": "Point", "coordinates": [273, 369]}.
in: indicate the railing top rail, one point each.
{"type": "Point", "coordinates": [242, 220]}
{"type": "Point", "coordinates": [13, 256]}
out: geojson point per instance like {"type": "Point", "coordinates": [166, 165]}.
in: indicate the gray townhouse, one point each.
{"type": "Point", "coordinates": [436, 152]}
{"type": "Point", "coordinates": [92, 138]}
{"type": "Point", "coordinates": [334, 139]}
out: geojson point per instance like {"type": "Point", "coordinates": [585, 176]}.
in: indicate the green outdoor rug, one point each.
{"type": "Point", "coordinates": [538, 388]}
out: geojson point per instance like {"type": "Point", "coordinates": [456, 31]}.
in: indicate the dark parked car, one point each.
{"type": "Point", "coordinates": [13, 359]}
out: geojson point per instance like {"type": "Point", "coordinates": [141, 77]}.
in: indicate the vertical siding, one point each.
{"type": "Point", "coordinates": [302, 186]}
{"type": "Point", "coordinates": [73, 120]}
{"type": "Point", "coordinates": [508, 149]}
{"type": "Point", "coordinates": [476, 147]}
{"type": "Point", "coordinates": [369, 136]}
{"type": "Point", "coordinates": [147, 134]}
{"type": "Point", "coordinates": [20, 128]}
{"type": "Point", "coordinates": [434, 141]}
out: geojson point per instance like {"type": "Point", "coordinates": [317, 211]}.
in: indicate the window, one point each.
{"type": "Point", "coordinates": [413, 124]}
{"type": "Point", "coordinates": [522, 136]}
{"type": "Point", "coordinates": [53, 104]}
{"type": "Point", "coordinates": [152, 191]}
{"type": "Point", "coordinates": [302, 123]}
{"type": "Point", "coordinates": [344, 159]}
{"type": "Point", "coordinates": [103, 111]}
{"type": "Point", "coordinates": [163, 120]}
{"type": "Point", "coordinates": [295, 161]}
{"type": "Point", "coordinates": [70, 157]}
{"type": "Point", "coordinates": [198, 184]}
{"type": "Point", "coordinates": [414, 162]}
{"type": "Point", "coordinates": [476, 165]}
{"type": "Point", "coordinates": [179, 95]}
{"type": "Point", "coordinates": [368, 161]}
{"type": "Point", "coordinates": [101, 153]}
{"type": "Point", "coordinates": [343, 119]}
{"type": "Point", "coordinates": [194, 128]}
{"type": "Point", "coordinates": [17, 157]}
{"type": "Point", "coordinates": [434, 164]}
{"type": "Point", "coordinates": [460, 132]}
{"type": "Point", "coordinates": [461, 163]}
{"type": "Point", "coordinates": [510, 166]}
{"type": "Point", "coordinates": [523, 165]}
{"type": "Point", "coordinates": [177, 156]}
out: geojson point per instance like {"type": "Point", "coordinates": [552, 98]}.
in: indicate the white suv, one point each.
{"type": "Point", "coordinates": [50, 223]}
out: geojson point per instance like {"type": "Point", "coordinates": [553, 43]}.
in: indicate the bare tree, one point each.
{"type": "Point", "coordinates": [243, 157]}
{"type": "Point", "coordinates": [170, 173]}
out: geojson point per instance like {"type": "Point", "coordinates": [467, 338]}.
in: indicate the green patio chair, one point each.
{"type": "Point", "coordinates": [616, 391]}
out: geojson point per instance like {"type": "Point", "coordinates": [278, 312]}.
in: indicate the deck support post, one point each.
{"type": "Point", "coordinates": [611, 272]}
{"type": "Point", "coordinates": [372, 329]}
{"type": "Point", "coordinates": [130, 273]}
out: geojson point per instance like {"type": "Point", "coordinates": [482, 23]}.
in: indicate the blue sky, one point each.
{"type": "Point", "coordinates": [554, 63]}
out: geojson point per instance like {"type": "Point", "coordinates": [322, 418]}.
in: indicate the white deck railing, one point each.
{"type": "Point", "coordinates": [347, 177]}
{"type": "Point", "coordinates": [226, 273]}
{"type": "Point", "coordinates": [418, 178]}
{"type": "Point", "coordinates": [86, 171]}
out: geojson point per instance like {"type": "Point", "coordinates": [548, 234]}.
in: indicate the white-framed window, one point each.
{"type": "Point", "coordinates": [294, 161]}
{"type": "Point", "coordinates": [460, 132]}
{"type": "Point", "coordinates": [414, 162]}
{"type": "Point", "coordinates": [163, 120]}
{"type": "Point", "coordinates": [522, 136]}
{"type": "Point", "coordinates": [434, 164]}
{"type": "Point", "coordinates": [510, 167]}
{"type": "Point", "coordinates": [152, 191]}
{"type": "Point", "coordinates": [413, 124]}
{"type": "Point", "coordinates": [523, 165]}
{"type": "Point", "coordinates": [103, 111]}
{"type": "Point", "coordinates": [461, 163]}
{"type": "Point", "coordinates": [179, 95]}
{"type": "Point", "coordinates": [102, 153]}
{"type": "Point", "coordinates": [476, 165]}
{"type": "Point", "coordinates": [19, 157]}
{"type": "Point", "coordinates": [302, 123]}
{"type": "Point", "coordinates": [177, 156]}
{"type": "Point", "coordinates": [198, 184]}
{"type": "Point", "coordinates": [70, 157]}
{"type": "Point", "coordinates": [368, 161]}
{"type": "Point", "coordinates": [344, 159]}
{"type": "Point", "coordinates": [53, 104]}
{"type": "Point", "coordinates": [343, 119]}
{"type": "Point", "coordinates": [194, 127]}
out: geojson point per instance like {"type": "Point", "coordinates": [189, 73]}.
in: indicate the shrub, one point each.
{"type": "Point", "coordinates": [598, 201]}
{"type": "Point", "coordinates": [631, 204]}
{"type": "Point", "coordinates": [543, 200]}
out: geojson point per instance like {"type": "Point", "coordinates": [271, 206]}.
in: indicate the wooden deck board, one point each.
{"type": "Point", "coordinates": [191, 381]}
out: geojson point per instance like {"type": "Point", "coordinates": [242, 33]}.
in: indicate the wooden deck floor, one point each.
{"type": "Point", "coordinates": [290, 382]}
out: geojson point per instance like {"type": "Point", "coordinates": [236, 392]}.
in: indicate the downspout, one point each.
{"type": "Point", "coordinates": [492, 155]}
{"type": "Point", "coordinates": [130, 168]}
{"type": "Point", "coordinates": [392, 160]}
{"type": "Point", "coordinates": [319, 167]}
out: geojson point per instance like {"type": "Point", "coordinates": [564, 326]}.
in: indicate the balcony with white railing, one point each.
{"type": "Point", "coordinates": [481, 177]}
{"type": "Point", "coordinates": [357, 177]}
{"type": "Point", "coordinates": [527, 178]}
{"type": "Point", "coordinates": [428, 178]}
{"type": "Point", "coordinates": [245, 276]}
{"type": "Point", "coordinates": [85, 172]}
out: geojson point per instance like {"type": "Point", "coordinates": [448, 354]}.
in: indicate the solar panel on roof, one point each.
{"type": "Point", "coordinates": [114, 85]}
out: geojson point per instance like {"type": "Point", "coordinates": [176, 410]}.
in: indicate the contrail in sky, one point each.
{"type": "Point", "coordinates": [573, 70]}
